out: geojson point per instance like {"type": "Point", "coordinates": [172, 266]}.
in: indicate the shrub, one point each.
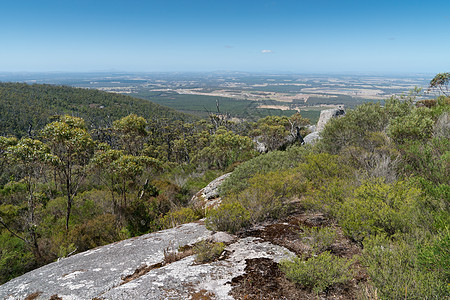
{"type": "Point", "coordinates": [377, 207]}
{"type": "Point", "coordinates": [15, 257]}
{"type": "Point", "coordinates": [231, 217]}
{"type": "Point", "coordinates": [207, 251]}
{"type": "Point", "coordinates": [319, 272]}
{"type": "Point", "coordinates": [179, 216]}
{"type": "Point", "coordinates": [416, 126]}
{"type": "Point", "coordinates": [318, 238]}
{"type": "Point", "coordinates": [272, 161]}
{"type": "Point", "coordinates": [96, 232]}
{"type": "Point", "coordinates": [329, 197]}
{"type": "Point", "coordinates": [397, 274]}
{"type": "Point", "coordinates": [351, 129]}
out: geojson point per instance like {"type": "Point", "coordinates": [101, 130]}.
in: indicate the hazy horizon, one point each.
{"type": "Point", "coordinates": [299, 37]}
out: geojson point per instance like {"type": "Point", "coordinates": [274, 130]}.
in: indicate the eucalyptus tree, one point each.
{"type": "Point", "coordinates": [32, 156]}
{"type": "Point", "coordinates": [73, 146]}
{"type": "Point", "coordinates": [131, 133]}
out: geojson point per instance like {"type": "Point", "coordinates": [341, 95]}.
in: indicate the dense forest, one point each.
{"type": "Point", "coordinates": [380, 173]}
{"type": "Point", "coordinates": [25, 108]}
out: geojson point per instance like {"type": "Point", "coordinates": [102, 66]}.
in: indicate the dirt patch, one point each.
{"type": "Point", "coordinates": [202, 295]}
{"type": "Point", "coordinates": [142, 270]}
{"type": "Point", "coordinates": [33, 296]}
{"type": "Point", "coordinates": [55, 297]}
{"type": "Point", "coordinates": [264, 280]}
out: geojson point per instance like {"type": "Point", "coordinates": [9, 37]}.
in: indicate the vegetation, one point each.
{"type": "Point", "coordinates": [207, 251]}
{"type": "Point", "coordinates": [319, 272]}
{"type": "Point", "coordinates": [25, 109]}
{"type": "Point", "coordinates": [380, 175]}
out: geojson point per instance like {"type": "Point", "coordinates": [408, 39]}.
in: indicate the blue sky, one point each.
{"type": "Point", "coordinates": [316, 36]}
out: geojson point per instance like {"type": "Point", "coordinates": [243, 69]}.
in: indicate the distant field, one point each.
{"type": "Point", "coordinates": [203, 105]}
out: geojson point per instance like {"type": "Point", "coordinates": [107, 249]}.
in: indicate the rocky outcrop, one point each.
{"type": "Point", "coordinates": [325, 116]}
{"type": "Point", "coordinates": [208, 197]}
{"type": "Point", "coordinates": [136, 269]}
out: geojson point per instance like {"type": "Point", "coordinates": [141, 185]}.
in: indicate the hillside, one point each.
{"type": "Point", "coordinates": [364, 208]}
{"type": "Point", "coordinates": [24, 107]}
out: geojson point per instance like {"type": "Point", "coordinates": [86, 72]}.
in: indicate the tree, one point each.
{"type": "Point", "coordinates": [73, 146]}
{"type": "Point", "coordinates": [32, 156]}
{"type": "Point", "coordinates": [131, 131]}
{"type": "Point", "coordinates": [226, 148]}
{"type": "Point", "coordinates": [441, 82]}
{"type": "Point", "coordinates": [120, 172]}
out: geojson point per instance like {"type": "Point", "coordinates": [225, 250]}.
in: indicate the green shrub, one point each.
{"type": "Point", "coordinates": [15, 257]}
{"type": "Point", "coordinates": [319, 272]}
{"type": "Point", "coordinates": [396, 273]}
{"type": "Point", "coordinates": [179, 216]}
{"type": "Point", "coordinates": [352, 128]}
{"type": "Point", "coordinates": [207, 251]}
{"type": "Point", "coordinates": [377, 207]}
{"type": "Point", "coordinates": [320, 168]}
{"type": "Point", "coordinates": [318, 238]}
{"type": "Point", "coordinates": [231, 217]}
{"type": "Point", "coordinates": [418, 126]}
{"type": "Point", "coordinates": [96, 232]}
{"type": "Point", "coordinates": [270, 162]}
{"type": "Point", "coordinates": [329, 197]}
{"type": "Point", "coordinates": [141, 217]}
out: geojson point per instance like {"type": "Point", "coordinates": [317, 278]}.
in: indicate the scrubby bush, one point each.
{"type": "Point", "coordinates": [141, 217]}
{"type": "Point", "coordinates": [207, 251]}
{"type": "Point", "coordinates": [179, 216]}
{"type": "Point", "coordinates": [96, 232]}
{"type": "Point", "coordinates": [231, 217]}
{"type": "Point", "coordinates": [267, 197]}
{"type": "Point", "coordinates": [320, 168]}
{"type": "Point", "coordinates": [318, 238]}
{"type": "Point", "coordinates": [352, 128]}
{"type": "Point", "coordinates": [378, 207]}
{"type": "Point", "coordinates": [319, 272]}
{"type": "Point", "coordinates": [329, 197]}
{"type": "Point", "coordinates": [272, 161]}
{"type": "Point", "coordinates": [15, 257]}
{"type": "Point", "coordinates": [396, 272]}
{"type": "Point", "coordinates": [417, 126]}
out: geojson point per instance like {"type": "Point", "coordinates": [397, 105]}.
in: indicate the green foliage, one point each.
{"type": "Point", "coordinates": [440, 82]}
{"type": "Point", "coordinates": [318, 272]}
{"type": "Point", "coordinates": [230, 216]}
{"type": "Point", "coordinates": [27, 108]}
{"type": "Point", "coordinates": [207, 251]}
{"type": "Point", "coordinates": [15, 257]}
{"type": "Point", "coordinates": [96, 232]}
{"type": "Point", "coordinates": [329, 197]}
{"type": "Point", "coordinates": [417, 126]}
{"type": "Point", "coordinates": [225, 149]}
{"type": "Point", "coordinates": [352, 128]}
{"type": "Point", "coordinates": [377, 207]}
{"type": "Point", "coordinates": [396, 272]}
{"type": "Point", "coordinates": [179, 216]}
{"type": "Point", "coordinates": [320, 168]}
{"type": "Point", "coordinates": [434, 256]}
{"type": "Point", "coordinates": [141, 217]}
{"type": "Point", "coordinates": [272, 161]}
{"type": "Point", "coordinates": [131, 131]}
{"type": "Point", "coordinates": [430, 159]}
{"type": "Point", "coordinates": [318, 238]}
{"type": "Point", "coordinates": [267, 197]}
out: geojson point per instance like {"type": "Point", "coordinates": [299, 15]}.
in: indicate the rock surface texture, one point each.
{"type": "Point", "coordinates": [136, 269]}
{"type": "Point", "coordinates": [325, 116]}
{"type": "Point", "coordinates": [208, 196]}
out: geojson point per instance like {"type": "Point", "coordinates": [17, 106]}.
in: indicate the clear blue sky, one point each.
{"type": "Point", "coordinates": [190, 35]}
